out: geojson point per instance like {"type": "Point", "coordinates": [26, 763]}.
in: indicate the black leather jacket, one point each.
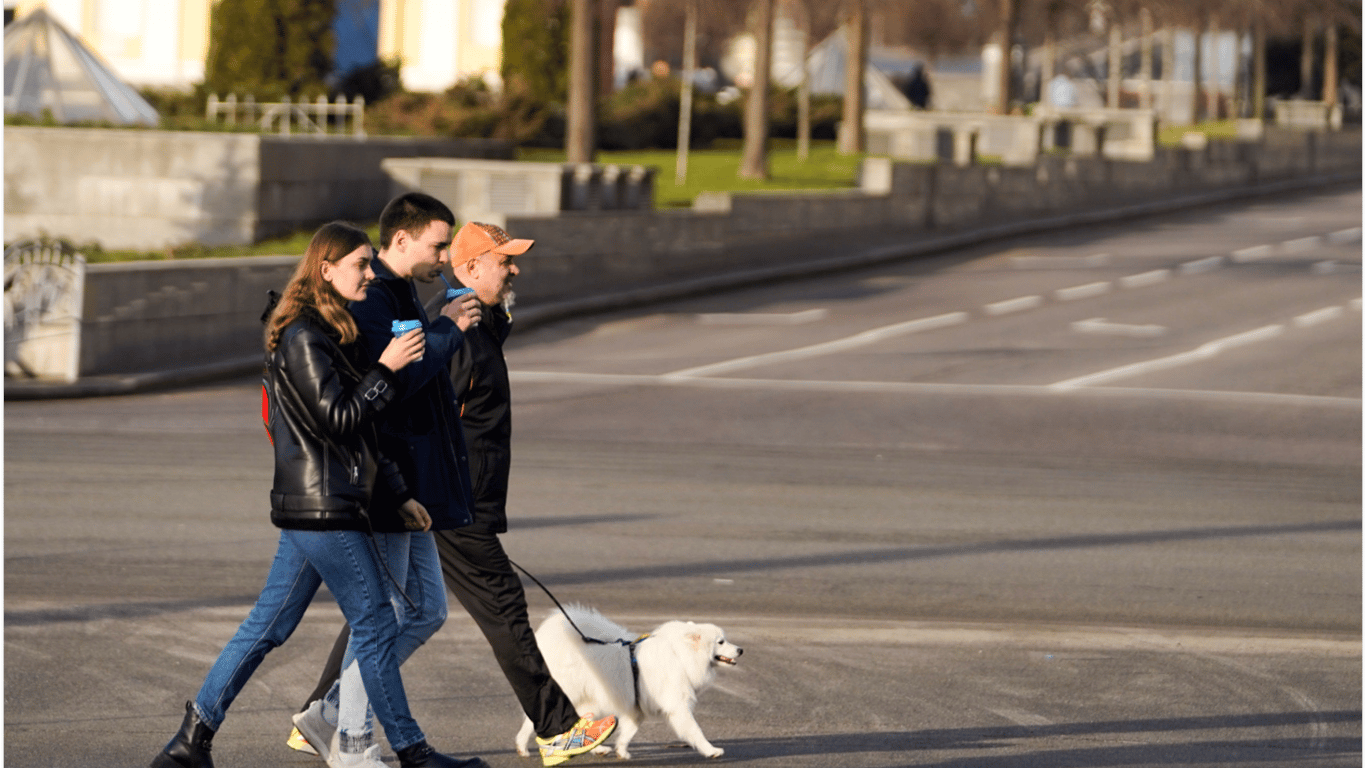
{"type": "Point", "coordinates": [320, 411]}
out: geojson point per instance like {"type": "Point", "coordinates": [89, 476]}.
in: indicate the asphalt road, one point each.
{"type": "Point", "coordinates": [1089, 498]}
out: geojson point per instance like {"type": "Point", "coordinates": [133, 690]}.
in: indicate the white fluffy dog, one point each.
{"type": "Point", "coordinates": [673, 663]}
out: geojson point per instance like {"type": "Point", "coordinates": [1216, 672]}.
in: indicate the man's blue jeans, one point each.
{"type": "Point", "coordinates": [421, 609]}
{"type": "Point", "coordinates": [346, 562]}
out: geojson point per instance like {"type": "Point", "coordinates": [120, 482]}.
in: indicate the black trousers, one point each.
{"type": "Point", "coordinates": [477, 571]}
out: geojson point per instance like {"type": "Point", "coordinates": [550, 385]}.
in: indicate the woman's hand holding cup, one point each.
{"type": "Point", "coordinates": [404, 349]}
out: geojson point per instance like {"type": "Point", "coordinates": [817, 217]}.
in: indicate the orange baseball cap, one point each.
{"type": "Point", "coordinates": [476, 238]}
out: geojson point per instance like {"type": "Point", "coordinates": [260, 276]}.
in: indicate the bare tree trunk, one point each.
{"type": "Point", "coordinates": [1048, 62]}
{"type": "Point", "coordinates": [1168, 73]}
{"type": "Point", "coordinates": [855, 62]}
{"type": "Point", "coordinates": [804, 101]}
{"type": "Point", "coordinates": [754, 162]}
{"type": "Point", "coordinates": [578, 134]}
{"type": "Point", "coordinates": [607, 36]}
{"type": "Point", "coordinates": [1006, 35]}
{"type": "Point", "coordinates": [1216, 67]}
{"type": "Point", "coordinates": [1258, 67]}
{"type": "Point", "coordinates": [1307, 58]}
{"type": "Point", "coordinates": [1330, 63]}
{"type": "Point", "coordinates": [1145, 60]}
{"type": "Point", "coordinates": [685, 100]}
{"type": "Point", "coordinates": [1198, 76]}
{"type": "Point", "coordinates": [1116, 57]}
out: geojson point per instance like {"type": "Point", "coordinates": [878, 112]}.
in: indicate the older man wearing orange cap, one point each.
{"type": "Point", "coordinates": [475, 567]}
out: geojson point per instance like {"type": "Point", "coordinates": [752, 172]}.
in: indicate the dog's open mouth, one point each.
{"type": "Point", "coordinates": [724, 659]}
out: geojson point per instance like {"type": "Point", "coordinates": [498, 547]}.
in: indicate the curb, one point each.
{"type": "Point", "coordinates": [125, 384]}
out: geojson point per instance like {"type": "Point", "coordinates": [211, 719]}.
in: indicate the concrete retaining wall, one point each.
{"type": "Point", "coordinates": [156, 315]}
{"type": "Point", "coordinates": [159, 315]}
{"type": "Point", "coordinates": [130, 189]}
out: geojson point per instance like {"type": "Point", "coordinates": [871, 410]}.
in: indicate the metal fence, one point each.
{"type": "Point", "coordinates": [287, 117]}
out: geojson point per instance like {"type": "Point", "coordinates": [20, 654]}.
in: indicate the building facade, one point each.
{"type": "Point", "coordinates": [163, 43]}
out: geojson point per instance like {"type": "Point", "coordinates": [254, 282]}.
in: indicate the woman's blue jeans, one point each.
{"type": "Point", "coordinates": [346, 562]}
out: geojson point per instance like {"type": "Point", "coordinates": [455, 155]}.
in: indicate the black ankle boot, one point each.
{"type": "Point", "coordinates": [421, 755]}
{"type": "Point", "coordinates": [190, 747]}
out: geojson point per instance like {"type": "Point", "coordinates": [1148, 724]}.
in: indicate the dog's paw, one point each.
{"type": "Point", "coordinates": [715, 752]}
{"type": "Point", "coordinates": [602, 751]}
{"type": "Point", "coordinates": [623, 753]}
{"type": "Point", "coordinates": [522, 750]}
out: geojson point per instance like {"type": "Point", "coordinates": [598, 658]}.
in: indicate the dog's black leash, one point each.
{"type": "Point", "coordinates": [563, 612]}
{"type": "Point", "coordinates": [630, 645]}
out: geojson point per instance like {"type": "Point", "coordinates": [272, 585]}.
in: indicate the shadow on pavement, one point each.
{"type": "Point", "coordinates": [1257, 747]}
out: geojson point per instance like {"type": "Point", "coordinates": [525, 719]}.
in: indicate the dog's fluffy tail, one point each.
{"type": "Point", "coordinates": [588, 621]}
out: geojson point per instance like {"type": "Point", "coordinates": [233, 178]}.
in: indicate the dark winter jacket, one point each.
{"type": "Point", "coordinates": [479, 374]}
{"type": "Point", "coordinates": [320, 413]}
{"type": "Point", "coordinates": [420, 431]}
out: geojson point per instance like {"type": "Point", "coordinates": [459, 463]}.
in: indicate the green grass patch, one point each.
{"type": "Point", "coordinates": [717, 169]}
{"type": "Point", "coordinates": [1219, 130]}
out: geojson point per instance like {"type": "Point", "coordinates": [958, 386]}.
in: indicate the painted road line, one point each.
{"type": "Point", "coordinates": [1254, 253]}
{"type": "Point", "coordinates": [1060, 262]}
{"type": "Point", "coordinates": [1082, 291]}
{"type": "Point", "coordinates": [825, 348]}
{"type": "Point", "coordinates": [1324, 267]}
{"type": "Point", "coordinates": [1203, 352]}
{"type": "Point", "coordinates": [1202, 265]}
{"type": "Point", "coordinates": [1103, 327]}
{"type": "Point", "coordinates": [1318, 316]}
{"type": "Point", "coordinates": [1302, 244]}
{"type": "Point", "coordinates": [929, 388]}
{"type": "Point", "coordinates": [1350, 235]}
{"type": "Point", "coordinates": [1355, 304]}
{"type": "Point", "coordinates": [1013, 305]}
{"type": "Point", "coordinates": [743, 318]}
{"type": "Point", "coordinates": [1145, 278]}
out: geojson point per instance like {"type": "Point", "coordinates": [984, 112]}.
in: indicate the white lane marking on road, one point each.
{"type": "Point", "coordinates": [825, 348]}
{"type": "Point", "coordinates": [1101, 326]}
{"type": "Point", "coordinates": [1202, 352]}
{"type": "Point", "coordinates": [1324, 267]}
{"type": "Point", "coordinates": [1059, 262]}
{"type": "Point", "coordinates": [1145, 278]}
{"type": "Point", "coordinates": [758, 318]}
{"type": "Point", "coordinates": [1013, 305]}
{"type": "Point", "coordinates": [1019, 716]}
{"type": "Point", "coordinates": [926, 388]}
{"type": "Point", "coordinates": [1202, 265]}
{"type": "Point", "coordinates": [1318, 316]}
{"type": "Point", "coordinates": [1349, 235]}
{"type": "Point", "coordinates": [1355, 304]}
{"type": "Point", "coordinates": [1254, 253]}
{"type": "Point", "coordinates": [1302, 244]}
{"type": "Point", "coordinates": [1082, 291]}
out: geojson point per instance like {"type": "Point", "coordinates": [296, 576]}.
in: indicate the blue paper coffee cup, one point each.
{"type": "Point", "coordinates": [403, 327]}
{"type": "Point", "coordinates": [455, 293]}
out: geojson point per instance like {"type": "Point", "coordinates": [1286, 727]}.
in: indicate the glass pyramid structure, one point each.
{"type": "Point", "coordinates": [48, 68]}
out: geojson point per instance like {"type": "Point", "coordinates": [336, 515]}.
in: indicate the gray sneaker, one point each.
{"type": "Point", "coordinates": [314, 726]}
